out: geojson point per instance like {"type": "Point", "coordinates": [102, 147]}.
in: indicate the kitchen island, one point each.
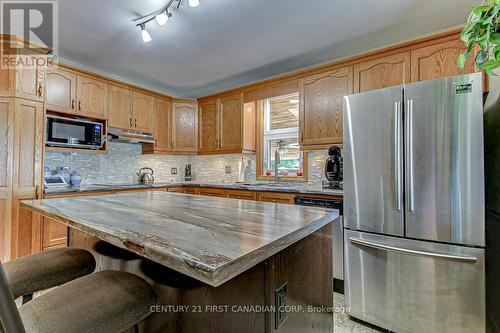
{"type": "Point", "coordinates": [217, 264]}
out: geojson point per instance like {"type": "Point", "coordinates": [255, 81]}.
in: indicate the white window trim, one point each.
{"type": "Point", "coordinates": [282, 133]}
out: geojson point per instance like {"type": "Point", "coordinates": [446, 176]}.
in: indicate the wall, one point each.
{"type": "Point", "coordinates": [124, 160]}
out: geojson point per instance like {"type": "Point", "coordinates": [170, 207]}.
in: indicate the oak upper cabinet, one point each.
{"type": "Point", "coordinates": [30, 78]}
{"type": "Point", "coordinates": [185, 127]}
{"type": "Point", "coordinates": [92, 97]}
{"type": "Point", "coordinates": [439, 60]}
{"type": "Point", "coordinates": [321, 105]}
{"type": "Point", "coordinates": [143, 106]}
{"type": "Point", "coordinates": [227, 126]}
{"type": "Point", "coordinates": [162, 128]}
{"type": "Point", "coordinates": [230, 123]}
{"type": "Point", "coordinates": [120, 107]}
{"type": "Point", "coordinates": [209, 127]}
{"type": "Point", "coordinates": [60, 90]}
{"type": "Point", "coordinates": [382, 72]}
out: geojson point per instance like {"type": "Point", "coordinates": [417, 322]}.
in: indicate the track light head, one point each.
{"type": "Point", "coordinates": [146, 37]}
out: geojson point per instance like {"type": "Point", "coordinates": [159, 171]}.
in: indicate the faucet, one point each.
{"type": "Point", "coordinates": [277, 160]}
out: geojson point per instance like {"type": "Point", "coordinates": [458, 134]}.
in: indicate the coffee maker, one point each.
{"type": "Point", "coordinates": [334, 169]}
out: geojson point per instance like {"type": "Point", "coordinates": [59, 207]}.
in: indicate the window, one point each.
{"type": "Point", "coordinates": [280, 128]}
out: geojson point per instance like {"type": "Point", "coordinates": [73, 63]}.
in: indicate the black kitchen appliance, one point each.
{"type": "Point", "coordinates": [334, 169]}
{"type": "Point", "coordinates": [74, 132]}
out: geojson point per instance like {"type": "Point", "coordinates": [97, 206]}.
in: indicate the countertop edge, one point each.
{"type": "Point", "coordinates": [215, 277]}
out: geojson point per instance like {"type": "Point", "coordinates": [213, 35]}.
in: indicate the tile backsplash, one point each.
{"type": "Point", "coordinates": [124, 160]}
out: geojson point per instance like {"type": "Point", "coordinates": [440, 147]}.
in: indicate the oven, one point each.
{"type": "Point", "coordinates": [74, 133]}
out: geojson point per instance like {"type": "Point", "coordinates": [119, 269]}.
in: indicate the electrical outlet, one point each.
{"type": "Point", "coordinates": [227, 169]}
{"type": "Point", "coordinates": [173, 171]}
{"type": "Point", "coordinates": [280, 300]}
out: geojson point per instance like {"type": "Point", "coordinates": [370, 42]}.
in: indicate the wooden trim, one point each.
{"type": "Point", "coordinates": [108, 80]}
{"type": "Point", "coordinates": [404, 46]}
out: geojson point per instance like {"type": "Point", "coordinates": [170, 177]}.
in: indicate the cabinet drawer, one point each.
{"type": "Point", "coordinates": [276, 197]}
{"type": "Point", "coordinates": [212, 192]}
{"type": "Point", "coordinates": [245, 195]}
{"type": "Point", "coordinates": [54, 234]}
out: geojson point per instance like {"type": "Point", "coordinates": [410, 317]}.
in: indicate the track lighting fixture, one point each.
{"type": "Point", "coordinates": [161, 17]}
{"type": "Point", "coordinates": [146, 37]}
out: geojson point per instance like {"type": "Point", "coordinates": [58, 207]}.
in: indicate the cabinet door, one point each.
{"type": "Point", "coordinates": [243, 195]}
{"type": "Point", "coordinates": [54, 234]}
{"type": "Point", "coordinates": [185, 127]}
{"type": "Point", "coordinates": [162, 128]}
{"type": "Point", "coordinates": [440, 60]}
{"type": "Point", "coordinates": [143, 112]}
{"type": "Point", "coordinates": [230, 122]}
{"type": "Point", "coordinates": [383, 72]}
{"type": "Point", "coordinates": [60, 91]}
{"type": "Point", "coordinates": [7, 79]}
{"type": "Point", "coordinates": [6, 146]}
{"type": "Point", "coordinates": [92, 97]}
{"type": "Point", "coordinates": [321, 106]}
{"type": "Point", "coordinates": [120, 107]}
{"type": "Point", "coordinates": [30, 78]}
{"type": "Point", "coordinates": [26, 173]}
{"type": "Point", "coordinates": [209, 139]}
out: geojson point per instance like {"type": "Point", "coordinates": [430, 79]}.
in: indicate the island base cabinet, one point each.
{"type": "Point", "coordinates": [245, 303]}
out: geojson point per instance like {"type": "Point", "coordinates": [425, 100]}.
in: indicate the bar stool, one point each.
{"type": "Point", "coordinates": [106, 301]}
{"type": "Point", "coordinates": [29, 274]}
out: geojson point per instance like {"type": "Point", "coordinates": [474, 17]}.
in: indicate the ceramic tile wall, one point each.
{"type": "Point", "coordinates": [124, 160]}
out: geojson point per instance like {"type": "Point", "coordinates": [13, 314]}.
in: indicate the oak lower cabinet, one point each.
{"type": "Point", "coordinates": [212, 192]}
{"type": "Point", "coordinates": [185, 127]}
{"type": "Point", "coordinates": [227, 125]}
{"type": "Point", "coordinates": [120, 107]}
{"type": "Point", "coordinates": [439, 60]}
{"type": "Point", "coordinates": [54, 235]}
{"type": "Point", "coordinates": [26, 176]}
{"type": "Point", "coordinates": [242, 194]}
{"type": "Point", "coordinates": [321, 106]}
{"type": "Point", "coordinates": [6, 157]}
{"type": "Point", "coordinates": [162, 128]}
{"type": "Point", "coordinates": [382, 72]}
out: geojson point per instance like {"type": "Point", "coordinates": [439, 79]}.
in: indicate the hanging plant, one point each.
{"type": "Point", "coordinates": [483, 29]}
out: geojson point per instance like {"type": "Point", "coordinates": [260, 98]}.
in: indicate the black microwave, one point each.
{"type": "Point", "coordinates": [73, 133]}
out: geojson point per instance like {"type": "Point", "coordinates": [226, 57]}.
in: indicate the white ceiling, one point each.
{"type": "Point", "coordinates": [227, 43]}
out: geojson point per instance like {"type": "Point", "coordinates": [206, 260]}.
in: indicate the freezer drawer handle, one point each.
{"type": "Point", "coordinates": [412, 252]}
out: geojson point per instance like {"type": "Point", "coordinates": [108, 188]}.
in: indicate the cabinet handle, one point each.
{"type": "Point", "coordinates": [40, 90]}
{"type": "Point", "coordinates": [130, 122]}
{"type": "Point", "coordinates": [72, 104]}
{"type": "Point", "coordinates": [302, 136]}
{"type": "Point", "coordinates": [79, 106]}
{"type": "Point", "coordinates": [135, 120]}
{"type": "Point", "coordinates": [36, 191]}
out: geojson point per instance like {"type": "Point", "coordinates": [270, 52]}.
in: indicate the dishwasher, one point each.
{"type": "Point", "coordinates": [337, 236]}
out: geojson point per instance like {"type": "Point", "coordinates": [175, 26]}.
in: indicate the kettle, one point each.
{"type": "Point", "coordinates": [145, 175]}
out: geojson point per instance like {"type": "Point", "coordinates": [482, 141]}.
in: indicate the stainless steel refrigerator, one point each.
{"type": "Point", "coordinates": [414, 232]}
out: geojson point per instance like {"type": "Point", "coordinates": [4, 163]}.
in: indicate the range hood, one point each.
{"type": "Point", "coordinates": [130, 136]}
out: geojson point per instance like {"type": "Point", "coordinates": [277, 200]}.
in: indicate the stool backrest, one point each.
{"type": "Point", "coordinates": [9, 315]}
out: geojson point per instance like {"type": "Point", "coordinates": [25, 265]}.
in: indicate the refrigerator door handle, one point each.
{"type": "Point", "coordinates": [390, 248]}
{"type": "Point", "coordinates": [409, 154]}
{"type": "Point", "coordinates": [397, 154]}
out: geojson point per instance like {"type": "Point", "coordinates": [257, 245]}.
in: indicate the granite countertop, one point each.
{"type": "Point", "coordinates": [306, 188]}
{"type": "Point", "coordinates": [207, 238]}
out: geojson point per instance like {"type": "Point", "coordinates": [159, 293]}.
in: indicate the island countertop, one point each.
{"type": "Point", "coordinates": [207, 238]}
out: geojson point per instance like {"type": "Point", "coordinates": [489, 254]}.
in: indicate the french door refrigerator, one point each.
{"type": "Point", "coordinates": [414, 206]}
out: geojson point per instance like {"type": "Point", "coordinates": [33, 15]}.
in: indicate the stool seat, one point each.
{"type": "Point", "coordinates": [106, 301]}
{"type": "Point", "coordinates": [49, 269]}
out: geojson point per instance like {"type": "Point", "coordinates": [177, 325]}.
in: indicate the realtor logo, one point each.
{"type": "Point", "coordinates": [33, 21]}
